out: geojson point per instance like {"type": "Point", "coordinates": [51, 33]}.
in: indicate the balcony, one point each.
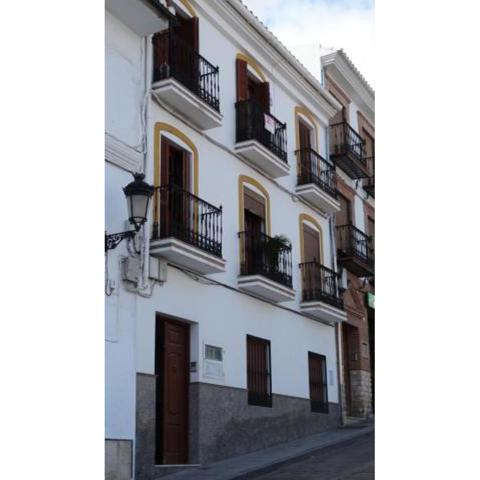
{"type": "Point", "coordinates": [187, 231]}
{"type": "Point", "coordinates": [266, 267]}
{"type": "Point", "coordinates": [261, 138]}
{"type": "Point", "coordinates": [183, 79]}
{"type": "Point", "coordinates": [369, 182]}
{"type": "Point", "coordinates": [347, 150]}
{"type": "Point", "coordinates": [316, 180]}
{"type": "Point", "coordinates": [355, 251]}
{"type": "Point", "coordinates": [320, 295]}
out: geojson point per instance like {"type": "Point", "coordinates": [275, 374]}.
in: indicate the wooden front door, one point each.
{"type": "Point", "coordinates": [172, 361]}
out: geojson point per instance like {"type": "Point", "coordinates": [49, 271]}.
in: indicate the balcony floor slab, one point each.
{"type": "Point", "coordinates": [187, 103]}
{"type": "Point", "coordinates": [263, 158]}
{"type": "Point", "coordinates": [323, 311]}
{"type": "Point", "coordinates": [186, 255]}
{"type": "Point", "coordinates": [264, 287]}
{"type": "Point", "coordinates": [313, 194]}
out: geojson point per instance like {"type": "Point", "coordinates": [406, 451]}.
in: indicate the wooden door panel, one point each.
{"type": "Point", "coordinates": [174, 404]}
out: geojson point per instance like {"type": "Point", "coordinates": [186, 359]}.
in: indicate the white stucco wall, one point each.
{"type": "Point", "coordinates": [219, 316]}
{"type": "Point", "coordinates": [124, 86]}
{"type": "Point", "coordinates": [124, 81]}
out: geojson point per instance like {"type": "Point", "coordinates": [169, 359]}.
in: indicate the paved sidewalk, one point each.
{"type": "Point", "coordinates": [262, 461]}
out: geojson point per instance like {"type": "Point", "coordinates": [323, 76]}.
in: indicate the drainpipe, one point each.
{"type": "Point", "coordinates": [333, 250]}
{"type": "Point", "coordinates": [144, 252]}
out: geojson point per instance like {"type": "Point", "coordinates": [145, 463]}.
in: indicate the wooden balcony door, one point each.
{"type": "Point", "coordinates": [311, 253]}
{"type": "Point", "coordinates": [254, 219]}
{"type": "Point", "coordinates": [311, 244]}
{"type": "Point", "coordinates": [175, 208]}
{"type": "Point", "coordinates": [343, 217]}
{"type": "Point", "coordinates": [305, 143]}
{"type": "Point", "coordinates": [171, 367]}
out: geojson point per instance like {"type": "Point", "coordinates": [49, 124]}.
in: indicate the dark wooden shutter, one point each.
{"type": "Point", "coordinates": [317, 369]}
{"type": "Point", "coordinates": [264, 96]}
{"type": "Point", "coordinates": [259, 372]}
{"type": "Point", "coordinates": [304, 135]}
{"type": "Point", "coordinates": [242, 80]}
{"type": "Point", "coordinates": [187, 31]}
{"type": "Point", "coordinates": [343, 216]}
{"type": "Point", "coordinates": [254, 202]}
{"type": "Point", "coordinates": [311, 244]}
{"type": "Point", "coordinates": [160, 42]}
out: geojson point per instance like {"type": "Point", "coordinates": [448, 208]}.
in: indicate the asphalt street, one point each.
{"type": "Point", "coordinates": [351, 460]}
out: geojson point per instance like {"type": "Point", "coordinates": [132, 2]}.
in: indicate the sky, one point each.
{"type": "Point", "coordinates": [303, 25]}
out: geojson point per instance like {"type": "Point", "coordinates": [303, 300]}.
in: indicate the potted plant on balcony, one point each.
{"type": "Point", "coordinates": [274, 247]}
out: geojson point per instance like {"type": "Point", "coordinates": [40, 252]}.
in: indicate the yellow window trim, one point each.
{"type": "Point", "coordinates": [158, 129]}
{"type": "Point", "coordinates": [189, 7]}
{"type": "Point", "coordinates": [250, 61]}
{"type": "Point", "coordinates": [246, 180]}
{"type": "Point", "coordinates": [308, 114]}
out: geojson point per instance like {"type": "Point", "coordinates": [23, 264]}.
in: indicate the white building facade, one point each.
{"type": "Point", "coordinates": [223, 314]}
{"type": "Point", "coordinates": [352, 148]}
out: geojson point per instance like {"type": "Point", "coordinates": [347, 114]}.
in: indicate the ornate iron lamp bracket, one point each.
{"type": "Point", "coordinates": [112, 240]}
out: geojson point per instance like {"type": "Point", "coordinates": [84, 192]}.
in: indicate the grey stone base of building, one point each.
{"type": "Point", "coordinates": [118, 459]}
{"type": "Point", "coordinates": [145, 427]}
{"type": "Point", "coordinates": [361, 393]}
{"type": "Point", "coordinates": [222, 424]}
{"type": "Point", "coordinates": [228, 426]}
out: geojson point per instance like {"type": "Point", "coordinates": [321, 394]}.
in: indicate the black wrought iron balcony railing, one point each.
{"type": "Point", "coordinates": [179, 214]}
{"type": "Point", "coordinates": [251, 122]}
{"type": "Point", "coordinates": [176, 59]}
{"type": "Point", "coordinates": [345, 140]}
{"type": "Point", "coordinates": [267, 256]}
{"type": "Point", "coordinates": [352, 242]}
{"type": "Point", "coordinates": [313, 168]}
{"type": "Point", "coordinates": [320, 283]}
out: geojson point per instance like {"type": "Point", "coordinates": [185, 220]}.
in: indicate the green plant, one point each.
{"type": "Point", "coordinates": [274, 246]}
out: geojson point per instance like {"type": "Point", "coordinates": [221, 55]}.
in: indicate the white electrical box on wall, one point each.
{"type": "Point", "coordinates": [213, 362]}
{"type": "Point", "coordinates": [158, 269]}
{"type": "Point", "coordinates": [131, 269]}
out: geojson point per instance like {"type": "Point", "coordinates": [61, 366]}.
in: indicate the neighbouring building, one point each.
{"type": "Point", "coordinates": [224, 314]}
{"type": "Point", "coordinates": [352, 148]}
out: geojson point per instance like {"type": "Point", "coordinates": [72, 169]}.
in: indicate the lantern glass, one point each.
{"type": "Point", "coordinates": [138, 208]}
{"type": "Point", "coordinates": [138, 194]}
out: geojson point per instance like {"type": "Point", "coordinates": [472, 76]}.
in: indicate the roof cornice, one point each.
{"type": "Point", "coordinates": [272, 49]}
{"type": "Point", "coordinates": [342, 68]}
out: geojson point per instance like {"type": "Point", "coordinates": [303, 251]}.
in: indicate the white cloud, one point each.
{"type": "Point", "coordinates": [304, 24]}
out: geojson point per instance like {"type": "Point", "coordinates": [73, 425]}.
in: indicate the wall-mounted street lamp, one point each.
{"type": "Point", "coordinates": [138, 194]}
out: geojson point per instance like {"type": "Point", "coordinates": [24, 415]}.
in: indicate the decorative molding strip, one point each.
{"type": "Point", "coordinates": [344, 70]}
{"type": "Point", "coordinates": [122, 155]}
{"type": "Point", "coordinates": [277, 61]}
